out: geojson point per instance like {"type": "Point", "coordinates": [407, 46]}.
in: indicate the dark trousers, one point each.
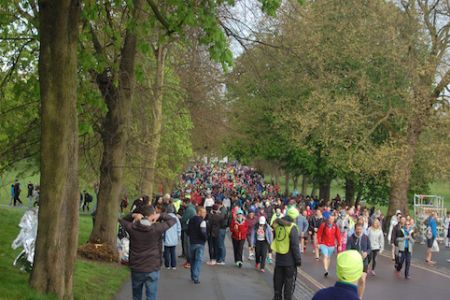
{"type": "Point", "coordinates": [284, 282]}
{"type": "Point", "coordinates": [85, 205]}
{"type": "Point", "coordinates": [170, 256]}
{"type": "Point", "coordinates": [213, 247]}
{"type": "Point", "coordinates": [238, 248]}
{"type": "Point", "coordinates": [404, 257]}
{"type": "Point", "coordinates": [261, 252]}
{"type": "Point", "coordinates": [17, 199]}
{"type": "Point", "coordinates": [183, 253]}
{"type": "Point", "coordinates": [373, 258]}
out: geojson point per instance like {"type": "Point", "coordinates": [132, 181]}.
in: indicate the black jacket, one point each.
{"type": "Point", "coordinates": [293, 257]}
{"type": "Point", "coordinates": [197, 231]}
{"type": "Point", "coordinates": [146, 243]}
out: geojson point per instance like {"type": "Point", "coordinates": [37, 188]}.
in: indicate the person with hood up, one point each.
{"type": "Point", "coordinates": [171, 238]}
{"type": "Point", "coordinates": [349, 268]}
{"type": "Point", "coordinates": [239, 229]}
{"type": "Point", "coordinates": [146, 232]}
{"type": "Point", "coordinates": [262, 239]}
{"type": "Point", "coordinates": [288, 257]}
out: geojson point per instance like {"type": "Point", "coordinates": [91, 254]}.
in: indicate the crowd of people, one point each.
{"type": "Point", "coordinates": [212, 199]}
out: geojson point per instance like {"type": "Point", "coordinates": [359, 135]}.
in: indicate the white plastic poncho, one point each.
{"type": "Point", "coordinates": [27, 235]}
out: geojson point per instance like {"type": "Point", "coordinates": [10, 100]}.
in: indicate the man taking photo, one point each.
{"type": "Point", "coordinates": [145, 261]}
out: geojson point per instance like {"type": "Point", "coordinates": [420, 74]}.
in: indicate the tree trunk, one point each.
{"type": "Point", "coordinates": [304, 184]}
{"type": "Point", "coordinates": [314, 187]}
{"type": "Point", "coordinates": [325, 190]}
{"type": "Point", "coordinates": [401, 176]}
{"type": "Point", "coordinates": [155, 136]}
{"type": "Point", "coordinates": [114, 138]}
{"type": "Point", "coordinates": [286, 184]}
{"type": "Point", "coordinates": [295, 181]}
{"type": "Point", "coordinates": [57, 236]}
{"type": "Point", "coordinates": [349, 191]}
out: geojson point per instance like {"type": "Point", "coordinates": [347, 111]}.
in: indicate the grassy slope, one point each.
{"type": "Point", "coordinates": [91, 280]}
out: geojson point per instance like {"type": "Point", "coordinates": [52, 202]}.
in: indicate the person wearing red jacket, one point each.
{"type": "Point", "coordinates": [328, 236]}
{"type": "Point", "coordinates": [239, 229]}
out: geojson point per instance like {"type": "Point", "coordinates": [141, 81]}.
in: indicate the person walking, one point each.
{"type": "Point", "coordinates": [431, 224]}
{"type": "Point", "coordinates": [17, 191]}
{"type": "Point", "coordinates": [215, 218]}
{"type": "Point", "coordinates": [251, 223]}
{"type": "Point", "coordinates": [262, 237]}
{"type": "Point", "coordinates": [328, 237]}
{"type": "Point", "coordinates": [188, 213]}
{"type": "Point", "coordinates": [349, 268]}
{"type": "Point", "coordinates": [405, 243]}
{"type": "Point", "coordinates": [302, 224]}
{"type": "Point", "coordinates": [392, 228]}
{"type": "Point", "coordinates": [222, 233]}
{"type": "Point", "coordinates": [239, 229]}
{"type": "Point", "coordinates": [171, 238]}
{"type": "Point", "coordinates": [314, 224]}
{"type": "Point", "coordinates": [13, 197]}
{"type": "Point", "coordinates": [197, 238]}
{"type": "Point", "coordinates": [376, 238]}
{"type": "Point", "coordinates": [30, 189]}
{"type": "Point", "coordinates": [146, 250]}
{"type": "Point", "coordinates": [288, 257]}
{"type": "Point", "coordinates": [360, 242]}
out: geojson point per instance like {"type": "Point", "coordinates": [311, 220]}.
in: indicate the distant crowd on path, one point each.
{"type": "Point", "coordinates": [212, 199]}
{"type": "Point", "coordinates": [32, 194]}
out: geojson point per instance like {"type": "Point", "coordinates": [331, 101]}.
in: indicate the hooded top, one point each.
{"type": "Point", "coordinates": [146, 242]}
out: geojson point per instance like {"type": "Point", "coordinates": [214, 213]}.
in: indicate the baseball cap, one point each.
{"type": "Point", "coordinates": [262, 220]}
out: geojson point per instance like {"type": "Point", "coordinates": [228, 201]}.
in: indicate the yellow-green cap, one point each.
{"type": "Point", "coordinates": [349, 266]}
{"type": "Point", "coordinates": [293, 213]}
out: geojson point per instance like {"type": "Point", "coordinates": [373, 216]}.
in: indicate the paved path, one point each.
{"type": "Point", "coordinates": [219, 282]}
{"type": "Point", "coordinates": [426, 282]}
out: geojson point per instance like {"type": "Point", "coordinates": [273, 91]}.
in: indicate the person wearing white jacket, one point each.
{"type": "Point", "coordinates": [394, 222]}
{"type": "Point", "coordinates": [376, 238]}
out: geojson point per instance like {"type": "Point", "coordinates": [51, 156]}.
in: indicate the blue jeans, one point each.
{"type": "Point", "coordinates": [150, 280]}
{"type": "Point", "coordinates": [196, 260]}
{"type": "Point", "coordinates": [222, 252]}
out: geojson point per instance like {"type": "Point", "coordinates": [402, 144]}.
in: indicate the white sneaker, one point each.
{"type": "Point", "coordinates": [174, 268]}
{"type": "Point", "coordinates": [222, 263]}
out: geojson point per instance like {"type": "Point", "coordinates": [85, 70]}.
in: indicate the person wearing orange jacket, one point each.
{"type": "Point", "coordinates": [239, 229]}
{"type": "Point", "coordinates": [328, 236]}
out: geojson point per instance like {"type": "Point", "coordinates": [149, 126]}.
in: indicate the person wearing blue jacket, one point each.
{"type": "Point", "coordinates": [431, 236]}
{"type": "Point", "coordinates": [303, 227]}
{"type": "Point", "coordinates": [262, 239]}
{"type": "Point", "coordinates": [171, 238]}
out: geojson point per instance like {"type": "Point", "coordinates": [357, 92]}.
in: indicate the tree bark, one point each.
{"type": "Point", "coordinates": [155, 135]}
{"type": "Point", "coordinates": [295, 181]}
{"type": "Point", "coordinates": [286, 184]}
{"type": "Point", "coordinates": [114, 137]}
{"type": "Point", "coordinates": [402, 174]}
{"type": "Point", "coordinates": [304, 184]}
{"type": "Point", "coordinates": [349, 191]}
{"type": "Point", "coordinates": [325, 189]}
{"type": "Point", "coordinates": [57, 236]}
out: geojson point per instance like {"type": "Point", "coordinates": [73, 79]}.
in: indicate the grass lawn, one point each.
{"type": "Point", "coordinates": [92, 280]}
